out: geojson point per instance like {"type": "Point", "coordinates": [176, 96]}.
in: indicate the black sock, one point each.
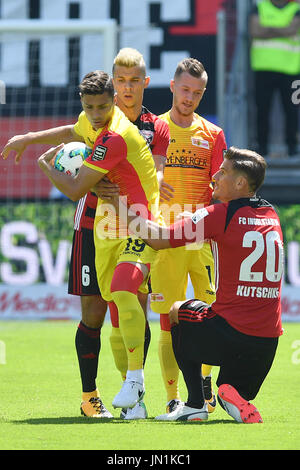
{"type": "Point", "coordinates": [88, 344]}
{"type": "Point", "coordinates": [191, 372]}
{"type": "Point", "coordinates": [147, 340]}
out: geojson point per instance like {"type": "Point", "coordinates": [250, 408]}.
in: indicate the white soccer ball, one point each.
{"type": "Point", "coordinates": [70, 158]}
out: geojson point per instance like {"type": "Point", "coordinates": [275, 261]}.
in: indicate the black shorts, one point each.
{"type": "Point", "coordinates": [82, 271]}
{"type": "Point", "coordinates": [206, 338]}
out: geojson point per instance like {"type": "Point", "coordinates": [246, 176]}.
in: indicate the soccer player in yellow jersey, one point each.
{"type": "Point", "coordinates": [122, 261]}
{"type": "Point", "coordinates": [82, 271]}
{"type": "Point", "coordinates": [194, 155]}
{"type": "Point", "coordinates": [130, 82]}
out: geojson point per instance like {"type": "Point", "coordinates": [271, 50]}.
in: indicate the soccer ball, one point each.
{"type": "Point", "coordinates": [70, 158]}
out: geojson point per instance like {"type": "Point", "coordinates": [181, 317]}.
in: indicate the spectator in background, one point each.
{"type": "Point", "coordinates": [275, 60]}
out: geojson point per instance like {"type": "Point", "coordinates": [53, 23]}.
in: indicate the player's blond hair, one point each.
{"type": "Point", "coordinates": [129, 57]}
{"type": "Point", "coordinates": [191, 66]}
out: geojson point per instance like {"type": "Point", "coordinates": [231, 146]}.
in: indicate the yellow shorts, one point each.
{"type": "Point", "coordinates": [112, 251]}
{"type": "Point", "coordinates": [170, 271]}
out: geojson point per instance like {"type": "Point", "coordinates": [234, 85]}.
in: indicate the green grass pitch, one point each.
{"type": "Point", "coordinates": [40, 395]}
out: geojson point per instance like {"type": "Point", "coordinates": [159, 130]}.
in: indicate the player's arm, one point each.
{"type": "Point", "coordinates": [217, 157]}
{"type": "Point", "coordinates": [153, 234]}
{"type": "Point", "coordinates": [53, 136]}
{"type": "Point", "coordinates": [73, 188]}
{"type": "Point", "coordinates": [206, 223]}
{"type": "Point", "coordinates": [105, 189]}
{"type": "Point", "coordinates": [258, 31]}
{"type": "Point", "coordinates": [173, 314]}
{"type": "Point", "coordinates": [159, 161]}
{"type": "Point", "coordinates": [111, 156]}
{"type": "Point", "coordinates": [159, 152]}
{"type": "Point", "coordinates": [166, 190]}
{"type": "Point", "coordinates": [158, 237]}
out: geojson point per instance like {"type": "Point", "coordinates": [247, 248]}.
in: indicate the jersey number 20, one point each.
{"type": "Point", "coordinates": [274, 257]}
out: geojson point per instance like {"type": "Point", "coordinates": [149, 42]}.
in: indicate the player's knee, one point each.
{"type": "Point", "coordinates": [126, 302]}
{"type": "Point", "coordinates": [173, 314]}
{"type": "Point", "coordinates": [93, 311]}
{"type": "Point", "coordinates": [121, 296]}
{"type": "Point", "coordinates": [127, 277]}
{"type": "Point", "coordinates": [143, 299]}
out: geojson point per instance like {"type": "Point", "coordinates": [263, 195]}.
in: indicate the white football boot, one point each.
{"type": "Point", "coordinates": [139, 411]}
{"type": "Point", "coordinates": [185, 413]}
{"type": "Point", "coordinates": [130, 394]}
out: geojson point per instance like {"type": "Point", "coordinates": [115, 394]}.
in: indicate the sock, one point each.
{"type": "Point", "coordinates": [132, 327]}
{"type": "Point", "coordinates": [168, 365]}
{"type": "Point", "coordinates": [206, 370]}
{"type": "Point", "coordinates": [119, 351]}
{"type": "Point", "coordinates": [86, 396]}
{"type": "Point", "coordinates": [117, 343]}
{"type": "Point", "coordinates": [136, 375]}
{"type": "Point", "coordinates": [147, 340]}
{"type": "Point", "coordinates": [88, 344]}
{"type": "Point", "coordinates": [191, 372]}
{"type": "Point", "coordinates": [125, 283]}
{"type": "Point", "coordinates": [143, 299]}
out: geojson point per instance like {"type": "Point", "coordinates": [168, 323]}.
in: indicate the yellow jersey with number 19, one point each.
{"type": "Point", "coordinates": [121, 153]}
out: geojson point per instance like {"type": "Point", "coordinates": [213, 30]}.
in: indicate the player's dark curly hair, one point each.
{"type": "Point", "coordinates": [250, 163]}
{"type": "Point", "coordinates": [96, 83]}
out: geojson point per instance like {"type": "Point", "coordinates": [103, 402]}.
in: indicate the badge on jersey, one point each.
{"type": "Point", "coordinates": [148, 135]}
{"type": "Point", "coordinates": [157, 297]}
{"type": "Point", "coordinates": [99, 153]}
{"type": "Point", "coordinates": [199, 215]}
{"type": "Point", "coordinates": [198, 142]}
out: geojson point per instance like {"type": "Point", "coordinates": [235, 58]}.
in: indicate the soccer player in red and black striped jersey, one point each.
{"type": "Point", "coordinates": [239, 331]}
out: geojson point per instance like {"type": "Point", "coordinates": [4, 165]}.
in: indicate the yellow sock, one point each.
{"type": "Point", "coordinates": [168, 365]}
{"type": "Point", "coordinates": [119, 351]}
{"type": "Point", "coordinates": [206, 370]}
{"type": "Point", "coordinates": [132, 327]}
{"type": "Point", "coordinates": [87, 395]}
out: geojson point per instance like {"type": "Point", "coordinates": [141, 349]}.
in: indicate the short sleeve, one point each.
{"type": "Point", "coordinates": [218, 153]}
{"type": "Point", "coordinates": [207, 223]}
{"type": "Point", "coordinates": [109, 150]}
{"type": "Point", "coordinates": [80, 127]}
{"type": "Point", "coordinates": [161, 138]}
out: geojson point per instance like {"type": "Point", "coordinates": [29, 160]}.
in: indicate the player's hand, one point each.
{"type": "Point", "coordinates": [166, 191]}
{"type": "Point", "coordinates": [120, 205]}
{"type": "Point", "coordinates": [105, 189]}
{"type": "Point", "coordinates": [49, 155]}
{"type": "Point", "coordinates": [173, 313]}
{"type": "Point", "coordinates": [17, 144]}
{"type": "Point", "coordinates": [184, 214]}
